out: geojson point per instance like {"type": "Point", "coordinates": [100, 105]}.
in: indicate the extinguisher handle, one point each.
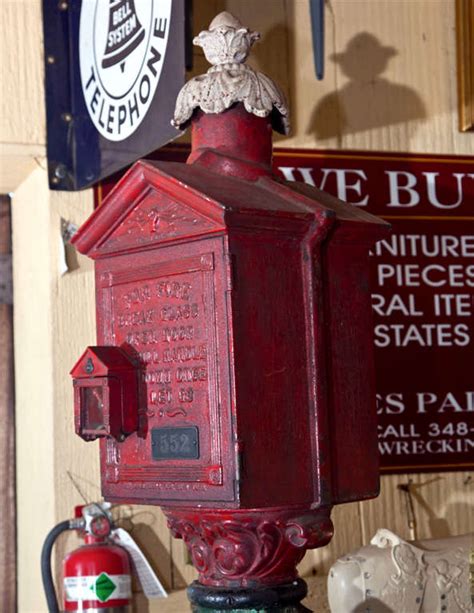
{"type": "Point", "coordinates": [46, 572]}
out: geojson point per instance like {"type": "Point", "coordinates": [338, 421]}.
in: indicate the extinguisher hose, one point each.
{"type": "Point", "coordinates": [46, 572]}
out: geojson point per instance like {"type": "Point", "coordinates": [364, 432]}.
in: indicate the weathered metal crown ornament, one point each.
{"type": "Point", "coordinates": [229, 81]}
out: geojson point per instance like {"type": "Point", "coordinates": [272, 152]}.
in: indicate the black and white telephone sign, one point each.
{"type": "Point", "coordinates": [113, 71]}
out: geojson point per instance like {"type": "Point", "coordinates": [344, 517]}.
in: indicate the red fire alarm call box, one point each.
{"type": "Point", "coordinates": [242, 303]}
{"type": "Point", "coordinates": [246, 306]}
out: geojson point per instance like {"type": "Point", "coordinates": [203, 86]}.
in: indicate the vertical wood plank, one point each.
{"type": "Point", "coordinates": [34, 413]}
{"type": "Point", "coordinates": [22, 110]}
{"type": "Point", "coordinates": [7, 432]}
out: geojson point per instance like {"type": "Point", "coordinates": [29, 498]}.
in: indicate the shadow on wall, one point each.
{"type": "Point", "coordinates": [439, 520]}
{"type": "Point", "coordinates": [156, 554]}
{"type": "Point", "coordinates": [263, 56]}
{"type": "Point", "coordinates": [368, 100]}
{"type": "Point", "coordinates": [274, 43]}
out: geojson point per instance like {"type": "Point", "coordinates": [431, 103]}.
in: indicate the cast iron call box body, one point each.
{"type": "Point", "coordinates": [244, 303]}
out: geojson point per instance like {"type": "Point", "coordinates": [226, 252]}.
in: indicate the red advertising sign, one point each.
{"type": "Point", "coordinates": [423, 294]}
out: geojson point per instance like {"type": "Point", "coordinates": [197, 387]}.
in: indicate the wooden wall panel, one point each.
{"type": "Point", "coordinates": [22, 110]}
{"type": "Point", "coordinates": [401, 93]}
{"type": "Point", "coordinates": [34, 383]}
{"type": "Point", "coordinates": [7, 431]}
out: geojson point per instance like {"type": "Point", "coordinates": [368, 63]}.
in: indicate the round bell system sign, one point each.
{"type": "Point", "coordinates": [122, 45]}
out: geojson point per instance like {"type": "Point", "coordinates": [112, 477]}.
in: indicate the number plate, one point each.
{"type": "Point", "coordinates": [175, 443]}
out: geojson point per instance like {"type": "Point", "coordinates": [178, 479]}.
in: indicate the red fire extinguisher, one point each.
{"type": "Point", "coordinates": [97, 575]}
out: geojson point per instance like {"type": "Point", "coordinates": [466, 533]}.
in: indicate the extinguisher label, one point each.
{"type": "Point", "coordinates": [101, 587]}
{"type": "Point", "coordinates": [150, 583]}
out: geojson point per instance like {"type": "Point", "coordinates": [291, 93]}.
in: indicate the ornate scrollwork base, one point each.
{"type": "Point", "coordinates": [249, 548]}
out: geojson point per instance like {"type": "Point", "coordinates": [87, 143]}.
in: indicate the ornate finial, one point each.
{"type": "Point", "coordinates": [226, 46]}
{"type": "Point", "coordinates": [226, 41]}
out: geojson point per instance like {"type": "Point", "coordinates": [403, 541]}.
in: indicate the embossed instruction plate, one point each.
{"type": "Point", "coordinates": [165, 316]}
{"type": "Point", "coordinates": [163, 320]}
